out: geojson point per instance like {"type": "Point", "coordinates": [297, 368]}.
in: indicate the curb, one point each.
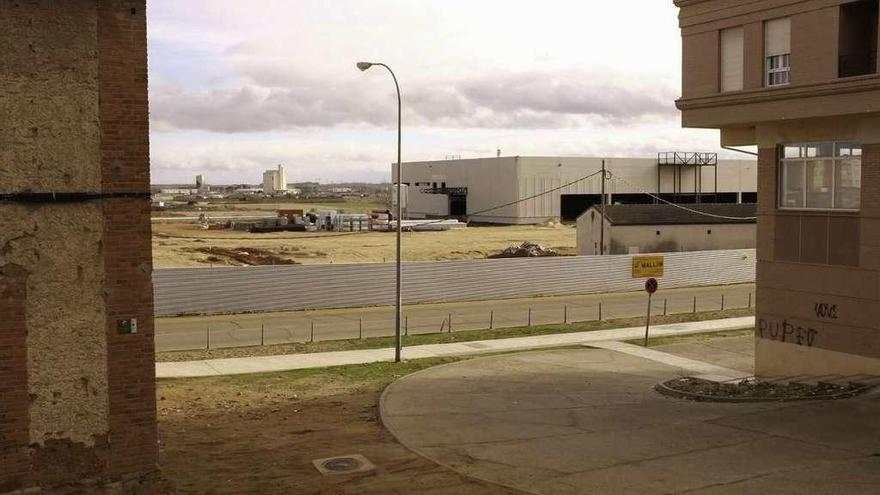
{"type": "Point", "coordinates": [663, 389]}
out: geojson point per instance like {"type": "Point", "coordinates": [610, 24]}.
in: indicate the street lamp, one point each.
{"type": "Point", "coordinates": [398, 301]}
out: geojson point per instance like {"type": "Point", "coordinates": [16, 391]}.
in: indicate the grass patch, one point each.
{"type": "Point", "coordinates": [444, 338]}
{"type": "Point", "coordinates": [320, 382]}
{"type": "Point", "coordinates": [691, 338]}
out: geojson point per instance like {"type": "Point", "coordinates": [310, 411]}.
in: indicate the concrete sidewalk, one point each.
{"type": "Point", "coordinates": [585, 421]}
{"type": "Point", "coordinates": [263, 364]}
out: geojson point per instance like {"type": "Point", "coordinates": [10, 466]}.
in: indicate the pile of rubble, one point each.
{"type": "Point", "coordinates": [525, 250]}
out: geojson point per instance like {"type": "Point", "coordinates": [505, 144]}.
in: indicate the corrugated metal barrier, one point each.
{"type": "Point", "coordinates": [267, 288]}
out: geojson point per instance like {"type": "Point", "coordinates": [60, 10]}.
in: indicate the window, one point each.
{"type": "Point", "coordinates": [732, 59]}
{"type": "Point", "coordinates": [778, 69]}
{"type": "Point", "coordinates": [857, 42]}
{"type": "Point", "coordinates": [777, 52]}
{"type": "Point", "coordinates": [820, 176]}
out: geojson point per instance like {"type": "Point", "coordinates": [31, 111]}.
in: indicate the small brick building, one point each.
{"type": "Point", "coordinates": [77, 388]}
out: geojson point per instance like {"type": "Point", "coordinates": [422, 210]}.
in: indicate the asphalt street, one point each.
{"type": "Point", "coordinates": [198, 332]}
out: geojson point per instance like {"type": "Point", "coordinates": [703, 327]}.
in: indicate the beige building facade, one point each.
{"type": "Point", "coordinates": [799, 80]}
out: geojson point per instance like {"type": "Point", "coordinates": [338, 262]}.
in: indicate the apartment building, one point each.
{"type": "Point", "coordinates": [799, 80]}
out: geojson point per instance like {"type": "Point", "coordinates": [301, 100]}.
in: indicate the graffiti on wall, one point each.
{"type": "Point", "coordinates": [825, 310]}
{"type": "Point", "coordinates": [787, 332]}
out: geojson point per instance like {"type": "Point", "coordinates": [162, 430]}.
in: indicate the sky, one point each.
{"type": "Point", "coordinates": [238, 87]}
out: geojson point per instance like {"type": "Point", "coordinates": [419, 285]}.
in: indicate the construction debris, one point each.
{"type": "Point", "coordinates": [243, 256]}
{"type": "Point", "coordinates": [525, 250]}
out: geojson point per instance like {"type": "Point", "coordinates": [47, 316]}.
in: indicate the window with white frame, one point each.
{"type": "Point", "coordinates": [778, 69]}
{"type": "Point", "coordinates": [820, 176]}
{"type": "Point", "coordinates": [777, 52]}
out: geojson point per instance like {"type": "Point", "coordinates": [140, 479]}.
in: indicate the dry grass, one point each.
{"type": "Point", "coordinates": [174, 245]}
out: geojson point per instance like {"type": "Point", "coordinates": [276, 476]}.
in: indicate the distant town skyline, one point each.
{"type": "Point", "coordinates": [237, 88]}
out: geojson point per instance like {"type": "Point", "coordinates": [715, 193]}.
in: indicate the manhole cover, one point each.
{"type": "Point", "coordinates": [345, 464]}
{"type": "Point", "coordinates": [341, 464]}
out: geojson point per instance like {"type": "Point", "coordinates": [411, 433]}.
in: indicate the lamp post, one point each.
{"type": "Point", "coordinates": [398, 301]}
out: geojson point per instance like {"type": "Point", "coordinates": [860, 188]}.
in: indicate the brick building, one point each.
{"type": "Point", "coordinates": [77, 389]}
{"type": "Point", "coordinates": [799, 79]}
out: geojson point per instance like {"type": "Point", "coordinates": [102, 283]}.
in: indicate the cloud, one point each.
{"type": "Point", "coordinates": [262, 102]}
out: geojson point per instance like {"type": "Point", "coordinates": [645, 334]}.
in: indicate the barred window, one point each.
{"type": "Point", "coordinates": [778, 70]}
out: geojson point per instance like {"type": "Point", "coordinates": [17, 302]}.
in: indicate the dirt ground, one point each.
{"type": "Point", "coordinates": [183, 245]}
{"type": "Point", "coordinates": [259, 434]}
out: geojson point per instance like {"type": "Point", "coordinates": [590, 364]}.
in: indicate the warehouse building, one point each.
{"type": "Point", "coordinates": [633, 229]}
{"type": "Point", "coordinates": [475, 188]}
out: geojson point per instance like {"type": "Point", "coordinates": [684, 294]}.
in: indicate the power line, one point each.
{"type": "Point", "coordinates": [342, 234]}
{"type": "Point", "coordinates": [658, 198]}
{"type": "Point", "coordinates": [539, 194]}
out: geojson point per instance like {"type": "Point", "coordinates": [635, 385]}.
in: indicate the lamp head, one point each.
{"type": "Point", "coordinates": [364, 65]}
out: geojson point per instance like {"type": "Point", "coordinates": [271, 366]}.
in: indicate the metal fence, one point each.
{"type": "Point", "coordinates": [181, 291]}
{"type": "Point", "coordinates": [268, 329]}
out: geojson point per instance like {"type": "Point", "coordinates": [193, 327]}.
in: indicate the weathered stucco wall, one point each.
{"type": "Point", "coordinates": [50, 137]}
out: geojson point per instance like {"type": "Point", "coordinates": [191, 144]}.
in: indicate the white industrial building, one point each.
{"type": "Point", "coordinates": [469, 187]}
{"type": "Point", "coordinates": [633, 229]}
{"type": "Point", "coordinates": [275, 181]}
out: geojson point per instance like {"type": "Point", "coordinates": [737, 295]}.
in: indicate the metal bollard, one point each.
{"type": "Point", "coordinates": [565, 314]}
{"type": "Point", "coordinates": [406, 325]}
{"type": "Point", "coordinates": [208, 338]}
{"type": "Point", "coordinates": [695, 304]}
{"type": "Point", "coordinates": [750, 300]}
{"type": "Point", "coordinates": [530, 316]}
{"type": "Point", "coordinates": [361, 328]}
{"type": "Point", "coordinates": [664, 306]}
{"type": "Point", "coordinates": [600, 311]}
{"type": "Point", "coordinates": [450, 322]}
{"type": "Point", "coordinates": [722, 302]}
{"type": "Point", "coordinates": [491, 319]}
{"type": "Point", "coordinates": [312, 338]}
{"type": "Point", "coordinates": [262, 334]}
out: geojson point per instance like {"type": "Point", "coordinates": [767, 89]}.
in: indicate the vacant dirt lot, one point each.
{"type": "Point", "coordinates": [259, 434]}
{"type": "Point", "coordinates": [183, 245]}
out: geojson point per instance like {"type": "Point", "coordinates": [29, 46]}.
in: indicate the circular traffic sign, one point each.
{"type": "Point", "coordinates": [651, 285]}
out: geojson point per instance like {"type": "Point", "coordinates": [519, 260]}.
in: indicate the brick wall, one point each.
{"type": "Point", "coordinates": [77, 397]}
{"type": "Point", "coordinates": [14, 457]}
{"type": "Point", "coordinates": [807, 259]}
{"type": "Point", "coordinates": [122, 76]}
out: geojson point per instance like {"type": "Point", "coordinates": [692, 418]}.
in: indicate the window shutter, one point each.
{"type": "Point", "coordinates": [777, 37]}
{"type": "Point", "coordinates": [732, 59]}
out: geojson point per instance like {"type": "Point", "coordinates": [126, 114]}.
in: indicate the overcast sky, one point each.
{"type": "Point", "coordinates": [237, 87]}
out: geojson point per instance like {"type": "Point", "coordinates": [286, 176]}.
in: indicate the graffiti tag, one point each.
{"type": "Point", "coordinates": [825, 310]}
{"type": "Point", "coordinates": [787, 332]}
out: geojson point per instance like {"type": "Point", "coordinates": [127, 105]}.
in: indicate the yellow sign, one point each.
{"type": "Point", "coordinates": [647, 266]}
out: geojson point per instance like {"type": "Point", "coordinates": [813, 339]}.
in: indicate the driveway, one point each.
{"type": "Point", "coordinates": [587, 421]}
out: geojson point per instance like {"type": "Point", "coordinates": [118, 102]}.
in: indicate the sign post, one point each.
{"type": "Point", "coordinates": [650, 288]}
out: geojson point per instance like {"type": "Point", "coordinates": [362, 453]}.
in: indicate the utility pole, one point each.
{"type": "Point", "coordinates": [602, 220]}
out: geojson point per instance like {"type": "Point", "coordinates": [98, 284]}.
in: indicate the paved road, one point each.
{"type": "Point", "coordinates": [195, 332]}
